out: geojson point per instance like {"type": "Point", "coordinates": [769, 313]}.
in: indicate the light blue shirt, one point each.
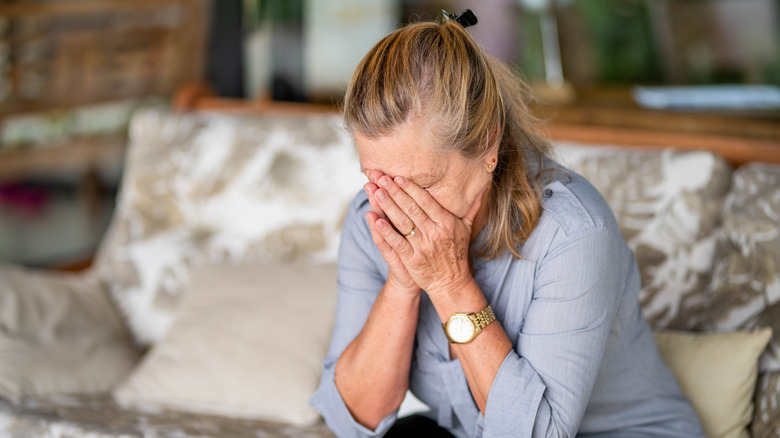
{"type": "Point", "coordinates": [584, 361]}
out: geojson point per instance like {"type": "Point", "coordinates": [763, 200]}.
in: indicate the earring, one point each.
{"type": "Point", "coordinates": [490, 166]}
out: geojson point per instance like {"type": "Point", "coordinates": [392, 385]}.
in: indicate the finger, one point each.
{"type": "Point", "coordinates": [370, 189]}
{"type": "Point", "coordinates": [373, 175]}
{"type": "Point", "coordinates": [474, 209]}
{"type": "Point", "coordinates": [396, 216]}
{"type": "Point", "coordinates": [401, 246]}
{"type": "Point", "coordinates": [387, 252]}
{"type": "Point", "coordinates": [402, 207]}
{"type": "Point", "coordinates": [429, 206]}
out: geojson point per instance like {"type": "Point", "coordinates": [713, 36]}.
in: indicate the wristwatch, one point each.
{"type": "Point", "coordinates": [462, 328]}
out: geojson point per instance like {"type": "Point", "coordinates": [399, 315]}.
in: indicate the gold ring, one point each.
{"type": "Point", "coordinates": [411, 233]}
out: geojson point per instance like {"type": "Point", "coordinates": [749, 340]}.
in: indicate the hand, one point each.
{"type": "Point", "coordinates": [397, 274]}
{"type": "Point", "coordinates": [436, 257]}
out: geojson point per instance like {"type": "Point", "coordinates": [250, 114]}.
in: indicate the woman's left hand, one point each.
{"type": "Point", "coordinates": [437, 254]}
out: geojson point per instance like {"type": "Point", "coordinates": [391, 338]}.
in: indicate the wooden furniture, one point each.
{"type": "Point", "coordinates": [57, 56]}
{"type": "Point", "coordinates": [61, 55]}
{"type": "Point", "coordinates": [609, 116]}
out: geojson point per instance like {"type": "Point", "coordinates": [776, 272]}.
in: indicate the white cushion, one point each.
{"type": "Point", "coordinates": [247, 341]}
{"type": "Point", "coordinates": [59, 333]}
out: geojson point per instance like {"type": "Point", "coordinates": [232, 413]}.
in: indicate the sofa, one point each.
{"type": "Point", "coordinates": [208, 307]}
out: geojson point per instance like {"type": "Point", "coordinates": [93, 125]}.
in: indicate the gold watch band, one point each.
{"type": "Point", "coordinates": [485, 317]}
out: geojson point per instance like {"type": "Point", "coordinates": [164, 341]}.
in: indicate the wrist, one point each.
{"type": "Point", "coordinates": [447, 290]}
{"type": "Point", "coordinates": [397, 288]}
{"type": "Point", "coordinates": [464, 297]}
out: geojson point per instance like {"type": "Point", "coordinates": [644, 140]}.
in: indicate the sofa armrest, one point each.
{"type": "Point", "coordinates": [59, 333]}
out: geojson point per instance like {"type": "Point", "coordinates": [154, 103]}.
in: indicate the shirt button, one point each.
{"type": "Point", "coordinates": [547, 193]}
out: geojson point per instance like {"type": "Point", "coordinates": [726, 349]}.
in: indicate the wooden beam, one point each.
{"type": "Point", "coordinates": [735, 150]}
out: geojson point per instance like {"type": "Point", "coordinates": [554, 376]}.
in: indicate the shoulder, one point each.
{"type": "Point", "coordinates": [357, 252]}
{"type": "Point", "coordinates": [572, 205]}
{"type": "Point", "coordinates": [355, 233]}
{"type": "Point", "coordinates": [355, 217]}
{"type": "Point", "coordinates": [574, 217]}
{"type": "Point", "coordinates": [359, 205]}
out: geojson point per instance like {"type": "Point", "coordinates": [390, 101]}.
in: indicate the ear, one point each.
{"type": "Point", "coordinates": [491, 148]}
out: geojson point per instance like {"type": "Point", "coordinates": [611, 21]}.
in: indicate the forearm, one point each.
{"type": "Point", "coordinates": [482, 357]}
{"type": "Point", "coordinates": [372, 374]}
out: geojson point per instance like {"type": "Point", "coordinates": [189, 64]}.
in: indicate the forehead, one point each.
{"type": "Point", "coordinates": [402, 153]}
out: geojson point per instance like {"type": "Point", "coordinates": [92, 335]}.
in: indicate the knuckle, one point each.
{"type": "Point", "coordinates": [411, 209]}
{"type": "Point", "coordinates": [426, 201]}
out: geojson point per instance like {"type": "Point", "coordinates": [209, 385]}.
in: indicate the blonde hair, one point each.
{"type": "Point", "coordinates": [436, 74]}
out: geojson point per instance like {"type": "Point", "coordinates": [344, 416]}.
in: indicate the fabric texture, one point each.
{"type": "Point", "coordinates": [745, 288]}
{"type": "Point", "coordinates": [570, 308]}
{"type": "Point", "coordinates": [98, 416]}
{"type": "Point", "coordinates": [209, 188]}
{"type": "Point", "coordinates": [766, 420]}
{"type": "Point", "coordinates": [247, 342]}
{"type": "Point", "coordinates": [667, 203]}
{"type": "Point", "coordinates": [59, 333]}
{"type": "Point", "coordinates": [717, 372]}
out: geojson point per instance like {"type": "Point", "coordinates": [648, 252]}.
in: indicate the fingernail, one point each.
{"type": "Point", "coordinates": [381, 195]}
{"type": "Point", "coordinates": [400, 181]}
{"type": "Point", "coordinates": [384, 181]}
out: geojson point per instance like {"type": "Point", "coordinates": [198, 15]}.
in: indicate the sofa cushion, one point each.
{"type": "Point", "coordinates": [247, 342]}
{"type": "Point", "coordinates": [745, 288]}
{"type": "Point", "coordinates": [59, 333]}
{"type": "Point", "coordinates": [666, 203]}
{"type": "Point", "coordinates": [205, 188]}
{"type": "Point", "coordinates": [717, 372]}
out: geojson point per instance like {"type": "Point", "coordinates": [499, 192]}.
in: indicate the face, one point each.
{"type": "Point", "coordinates": [451, 179]}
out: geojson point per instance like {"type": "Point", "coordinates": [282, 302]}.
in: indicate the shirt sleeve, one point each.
{"type": "Point", "coordinates": [543, 386]}
{"type": "Point", "coordinates": [360, 279]}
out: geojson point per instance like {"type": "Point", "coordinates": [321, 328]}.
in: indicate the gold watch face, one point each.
{"type": "Point", "coordinates": [461, 329]}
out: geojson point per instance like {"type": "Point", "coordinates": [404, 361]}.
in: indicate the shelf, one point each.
{"type": "Point", "coordinates": [615, 108]}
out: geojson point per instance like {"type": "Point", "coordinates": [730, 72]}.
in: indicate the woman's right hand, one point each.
{"type": "Point", "coordinates": [397, 275]}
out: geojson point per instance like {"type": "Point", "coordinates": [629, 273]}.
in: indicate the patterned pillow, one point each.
{"type": "Point", "coordinates": [205, 188]}
{"type": "Point", "coordinates": [666, 203]}
{"type": "Point", "coordinates": [745, 288]}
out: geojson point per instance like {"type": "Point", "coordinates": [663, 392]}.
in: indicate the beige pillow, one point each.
{"type": "Point", "coordinates": [247, 341]}
{"type": "Point", "coordinates": [59, 333]}
{"type": "Point", "coordinates": [718, 373]}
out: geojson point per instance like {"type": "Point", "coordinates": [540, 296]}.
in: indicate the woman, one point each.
{"type": "Point", "coordinates": [476, 272]}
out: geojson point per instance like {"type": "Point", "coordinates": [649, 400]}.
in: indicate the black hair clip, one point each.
{"type": "Point", "coordinates": [466, 18]}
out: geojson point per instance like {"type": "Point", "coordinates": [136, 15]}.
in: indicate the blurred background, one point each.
{"type": "Point", "coordinates": [73, 71]}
